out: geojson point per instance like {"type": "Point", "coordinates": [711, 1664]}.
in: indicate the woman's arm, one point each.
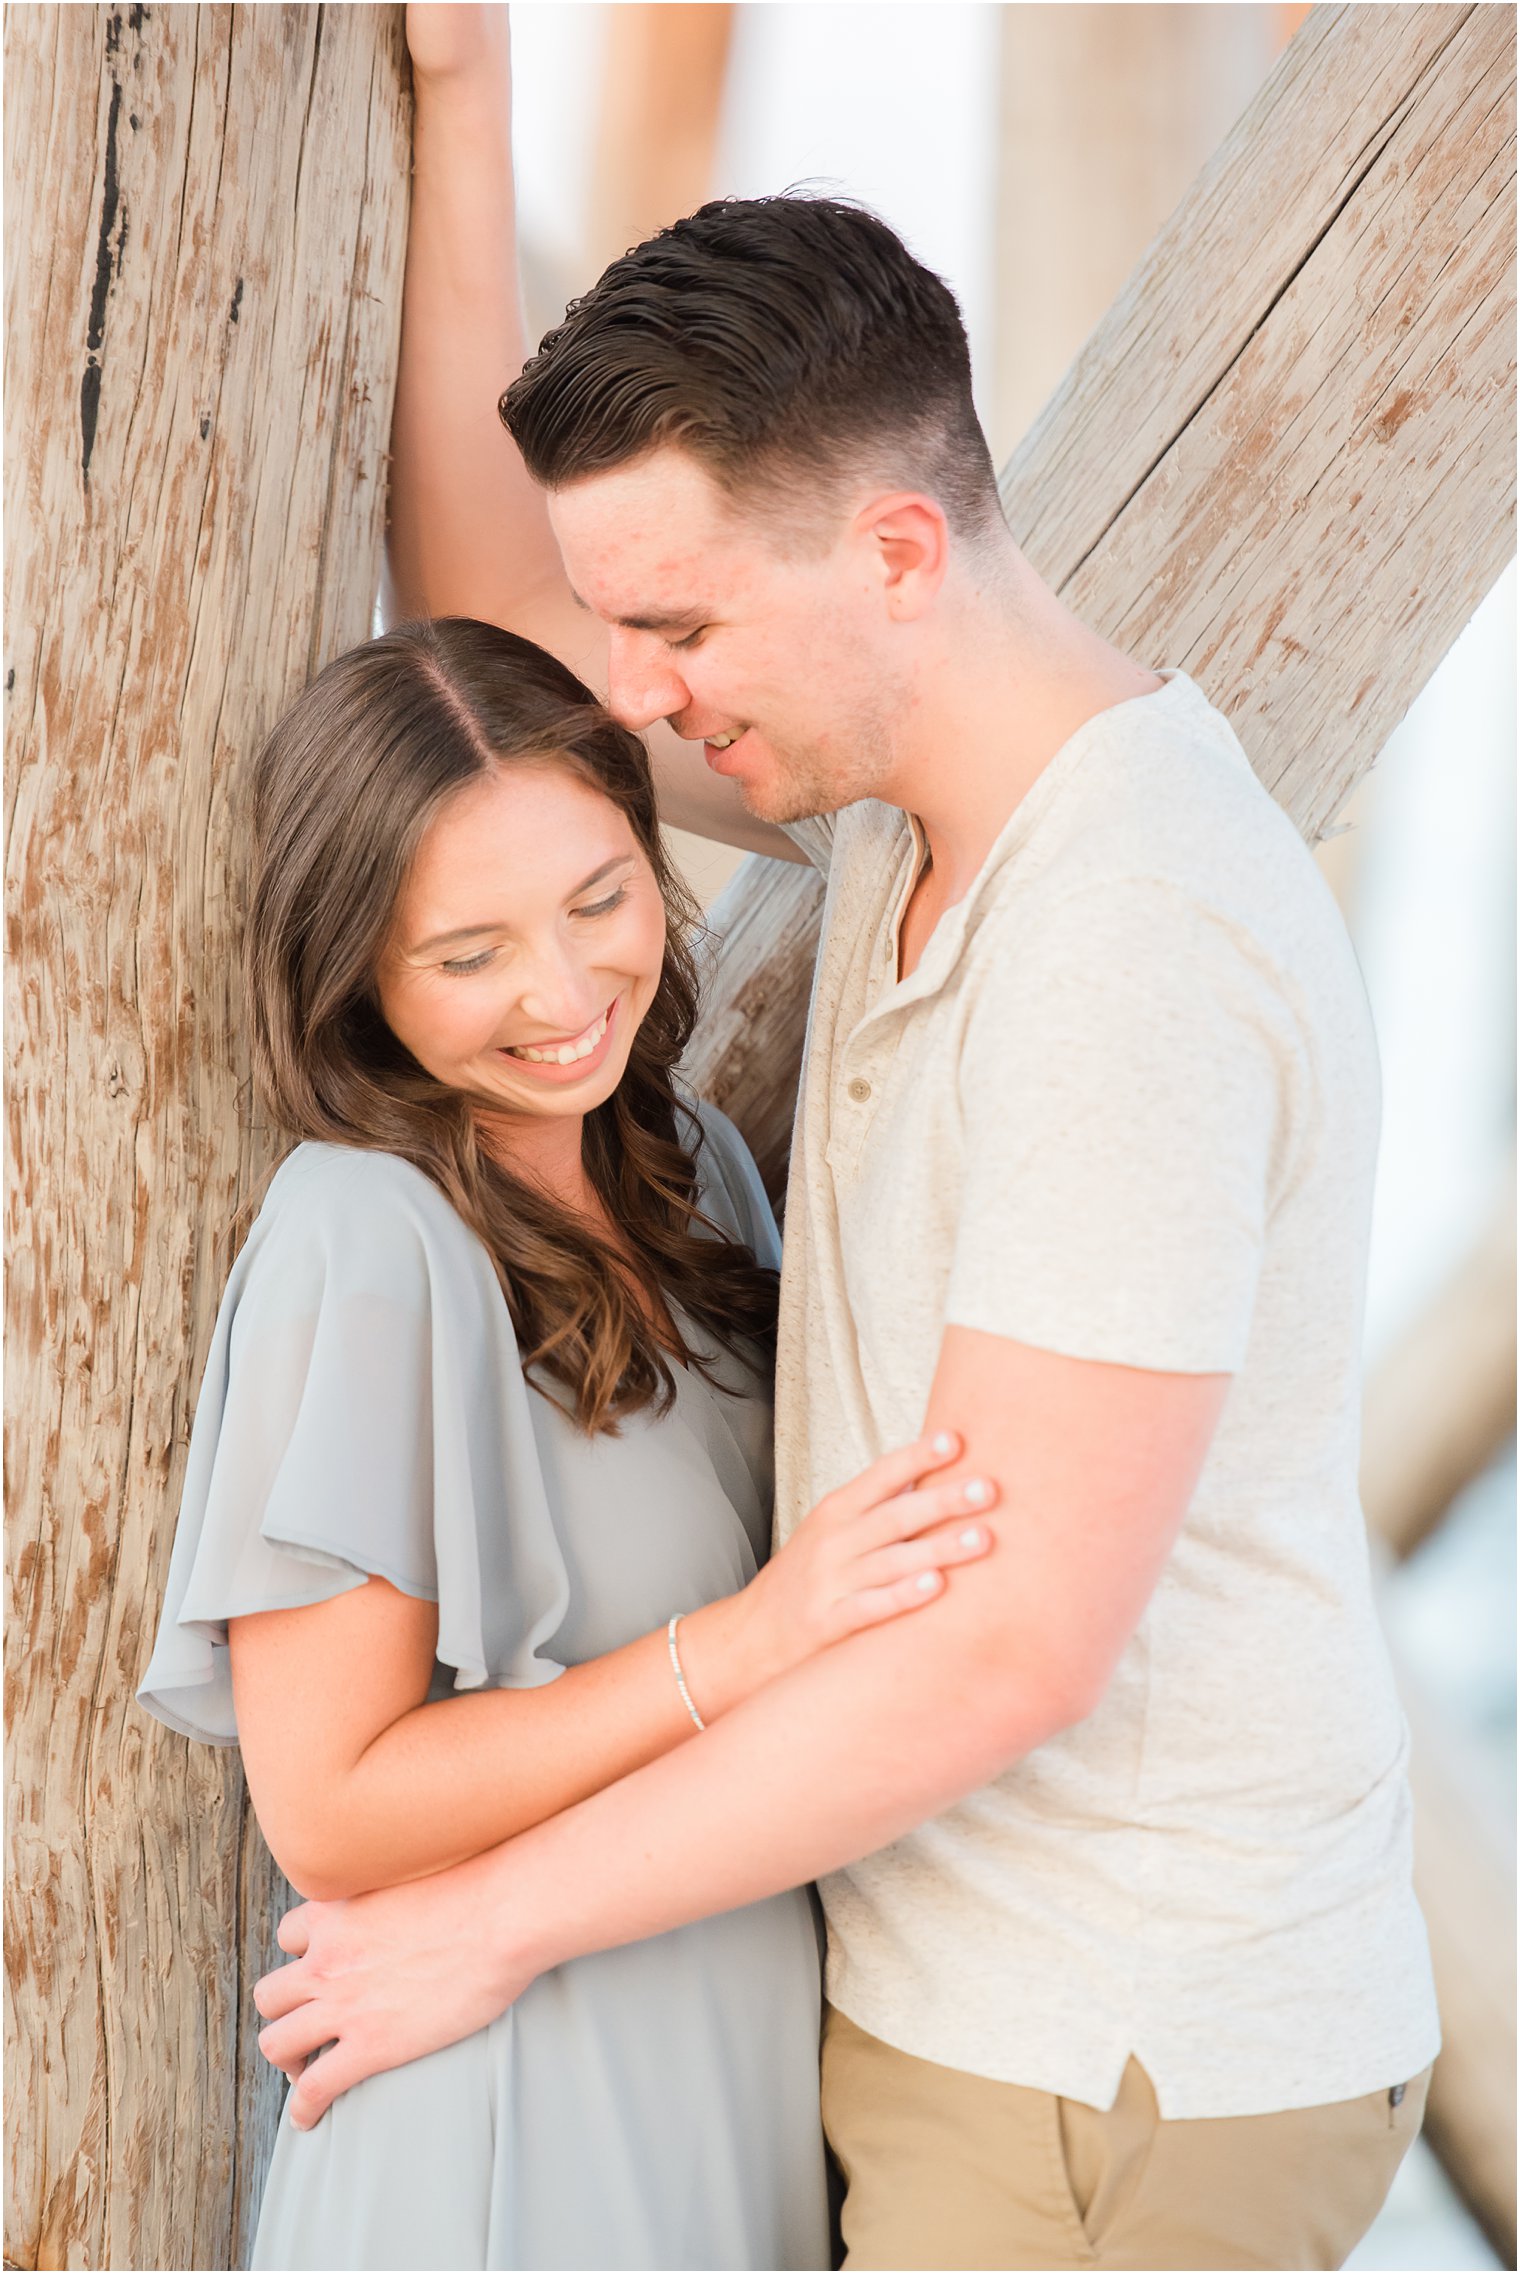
{"type": "Point", "coordinates": [359, 1782]}
{"type": "Point", "coordinates": [469, 532]}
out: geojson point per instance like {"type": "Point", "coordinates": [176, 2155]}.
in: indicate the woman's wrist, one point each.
{"type": "Point", "coordinates": [723, 1654]}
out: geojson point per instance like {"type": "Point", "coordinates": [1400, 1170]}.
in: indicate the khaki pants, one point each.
{"type": "Point", "coordinates": [948, 2170]}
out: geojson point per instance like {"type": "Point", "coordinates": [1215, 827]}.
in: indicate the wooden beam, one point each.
{"type": "Point", "coordinates": [206, 222]}
{"type": "Point", "coordinates": [767, 920]}
{"type": "Point", "coordinates": [1285, 459]}
{"type": "Point", "coordinates": [1107, 113]}
{"type": "Point", "coordinates": [1465, 1879]}
{"type": "Point", "coordinates": [1441, 1405]}
{"type": "Point", "coordinates": [1439, 1409]}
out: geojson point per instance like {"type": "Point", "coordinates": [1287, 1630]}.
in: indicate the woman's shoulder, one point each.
{"type": "Point", "coordinates": [319, 1179]}
{"type": "Point", "coordinates": [357, 1213]}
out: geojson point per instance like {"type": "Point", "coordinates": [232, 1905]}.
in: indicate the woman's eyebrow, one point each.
{"type": "Point", "coordinates": [618, 861]}
{"type": "Point", "coordinates": [447, 939]}
{"type": "Point", "coordinates": [478, 931]}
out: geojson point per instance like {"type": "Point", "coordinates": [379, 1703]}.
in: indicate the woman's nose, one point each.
{"type": "Point", "coordinates": [559, 994]}
{"type": "Point", "coordinates": [643, 683]}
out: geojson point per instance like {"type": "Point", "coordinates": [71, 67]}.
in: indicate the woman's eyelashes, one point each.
{"type": "Point", "coordinates": [604, 907]}
{"type": "Point", "coordinates": [460, 967]}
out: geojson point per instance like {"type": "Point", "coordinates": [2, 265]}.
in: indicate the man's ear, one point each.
{"type": "Point", "coordinates": [908, 541]}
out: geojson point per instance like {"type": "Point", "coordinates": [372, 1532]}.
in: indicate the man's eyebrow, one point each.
{"type": "Point", "coordinates": [483, 931]}
{"type": "Point", "coordinates": [685, 619]}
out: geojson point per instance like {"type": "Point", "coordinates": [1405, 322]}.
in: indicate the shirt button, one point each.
{"type": "Point", "coordinates": [860, 1090]}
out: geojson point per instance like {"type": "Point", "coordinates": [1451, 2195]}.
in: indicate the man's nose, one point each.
{"type": "Point", "coordinates": [643, 683]}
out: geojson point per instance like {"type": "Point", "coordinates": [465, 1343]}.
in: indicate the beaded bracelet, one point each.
{"type": "Point", "coordinates": [675, 1668]}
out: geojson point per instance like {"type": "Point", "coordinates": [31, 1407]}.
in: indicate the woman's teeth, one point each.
{"type": "Point", "coordinates": [565, 1053]}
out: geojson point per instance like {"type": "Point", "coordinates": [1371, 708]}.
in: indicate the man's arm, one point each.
{"type": "Point", "coordinates": [1096, 1465]}
{"type": "Point", "coordinates": [469, 533]}
{"type": "Point", "coordinates": [360, 1780]}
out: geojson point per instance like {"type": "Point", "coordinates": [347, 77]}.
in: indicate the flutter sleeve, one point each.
{"type": "Point", "coordinates": [363, 1413]}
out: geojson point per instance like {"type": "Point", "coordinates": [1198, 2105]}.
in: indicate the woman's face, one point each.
{"type": "Point", "coordinates": [527, 944]}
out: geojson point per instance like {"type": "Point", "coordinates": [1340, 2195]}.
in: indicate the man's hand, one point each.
{"type": "Point", "coordinates": [383, 1979]}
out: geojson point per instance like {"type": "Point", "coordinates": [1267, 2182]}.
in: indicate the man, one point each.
{"type": "Point", "coordinates": [1124, 1965]}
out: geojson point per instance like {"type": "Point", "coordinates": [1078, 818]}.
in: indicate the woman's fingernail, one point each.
{"type": "Point", "coordinates": [978, 1491]}
{"type": "Point", "coordinates": [971, 1537]}
{"type": "Point", "coordinates": [943, 1443]}
{"type": "Point", "coordinates": [926, 1582]}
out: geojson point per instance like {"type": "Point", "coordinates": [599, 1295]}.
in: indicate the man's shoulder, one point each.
{"type": "Point", "coordinates": [1164, 796]}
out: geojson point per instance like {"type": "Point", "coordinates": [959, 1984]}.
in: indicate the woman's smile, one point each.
{"type": "Point", "coordinates": [528, 945]}
{"type": "Point", "coordinates": [571, 1058]}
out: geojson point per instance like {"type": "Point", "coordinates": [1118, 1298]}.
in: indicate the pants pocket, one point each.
{"type": "Point", "coordinates": [1105, 2151]}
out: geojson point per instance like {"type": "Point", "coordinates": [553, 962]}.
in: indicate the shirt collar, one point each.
{"type": "Point", "coordinates": [943, 948]}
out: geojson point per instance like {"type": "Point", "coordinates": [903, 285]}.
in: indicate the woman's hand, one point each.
{"type": "Point", "coordinates": [878, 1547]}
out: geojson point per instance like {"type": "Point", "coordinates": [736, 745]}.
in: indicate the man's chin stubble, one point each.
{"type": "Point", "coordinates": [799, 794]}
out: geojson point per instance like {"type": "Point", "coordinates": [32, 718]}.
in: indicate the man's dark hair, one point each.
{"type": "Point", "coordinates": [791, 344]}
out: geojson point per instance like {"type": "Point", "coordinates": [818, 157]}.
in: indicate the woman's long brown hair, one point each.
{"type": "Point", "coordinates": [344, 790]}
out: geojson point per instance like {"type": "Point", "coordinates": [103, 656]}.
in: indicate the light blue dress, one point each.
{"type": "Point", "coordinates": [364, 1411]}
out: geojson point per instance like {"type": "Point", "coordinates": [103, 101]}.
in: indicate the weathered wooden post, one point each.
{"type": "Point", "coordinates": [205, 222]}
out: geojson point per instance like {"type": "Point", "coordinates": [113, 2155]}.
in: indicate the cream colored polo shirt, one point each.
{"type": "Point", "coordinates": [1126, 1109]}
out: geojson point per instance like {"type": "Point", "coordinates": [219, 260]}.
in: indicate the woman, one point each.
{"type": "Point", "coordinates": [478, 1486]}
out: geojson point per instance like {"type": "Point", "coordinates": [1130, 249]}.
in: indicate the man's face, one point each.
{"type": "Point", "coordinates": [713, 628]}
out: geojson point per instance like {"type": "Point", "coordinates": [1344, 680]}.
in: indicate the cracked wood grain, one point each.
{"type": "Point", "coordinates": [206, 227]}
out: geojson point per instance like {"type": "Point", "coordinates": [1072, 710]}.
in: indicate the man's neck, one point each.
{"type": "Point", "coordinates": [1014, 677]}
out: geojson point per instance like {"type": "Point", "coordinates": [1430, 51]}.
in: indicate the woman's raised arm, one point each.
{"type": "Point", "coordinates": [469, 534]}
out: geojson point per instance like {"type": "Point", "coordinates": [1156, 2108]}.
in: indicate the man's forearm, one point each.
{"type": "Point", "coordinates": [836, 1760]}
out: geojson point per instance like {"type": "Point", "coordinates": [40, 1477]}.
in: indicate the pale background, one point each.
{"type": "Point", "coordinates": [985, 135]}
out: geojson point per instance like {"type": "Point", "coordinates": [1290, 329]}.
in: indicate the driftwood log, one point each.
{"type": "Point", "coordinates": [1464, 1875]}
{"type": "Point", "coordinates": [1439, 1409]}
{"type": "Point", "coordinates": [1286, 458]}
{"type": "Point", "coordinates": [205, 221]}
{"type": "Point", "coordinates": [1441, 1404]}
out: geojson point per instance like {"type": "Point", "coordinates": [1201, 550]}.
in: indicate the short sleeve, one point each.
{"type": "Point", "coordinates": [1124, 1086]}
{"type": "Point", "coordinates": [363, 1413]}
